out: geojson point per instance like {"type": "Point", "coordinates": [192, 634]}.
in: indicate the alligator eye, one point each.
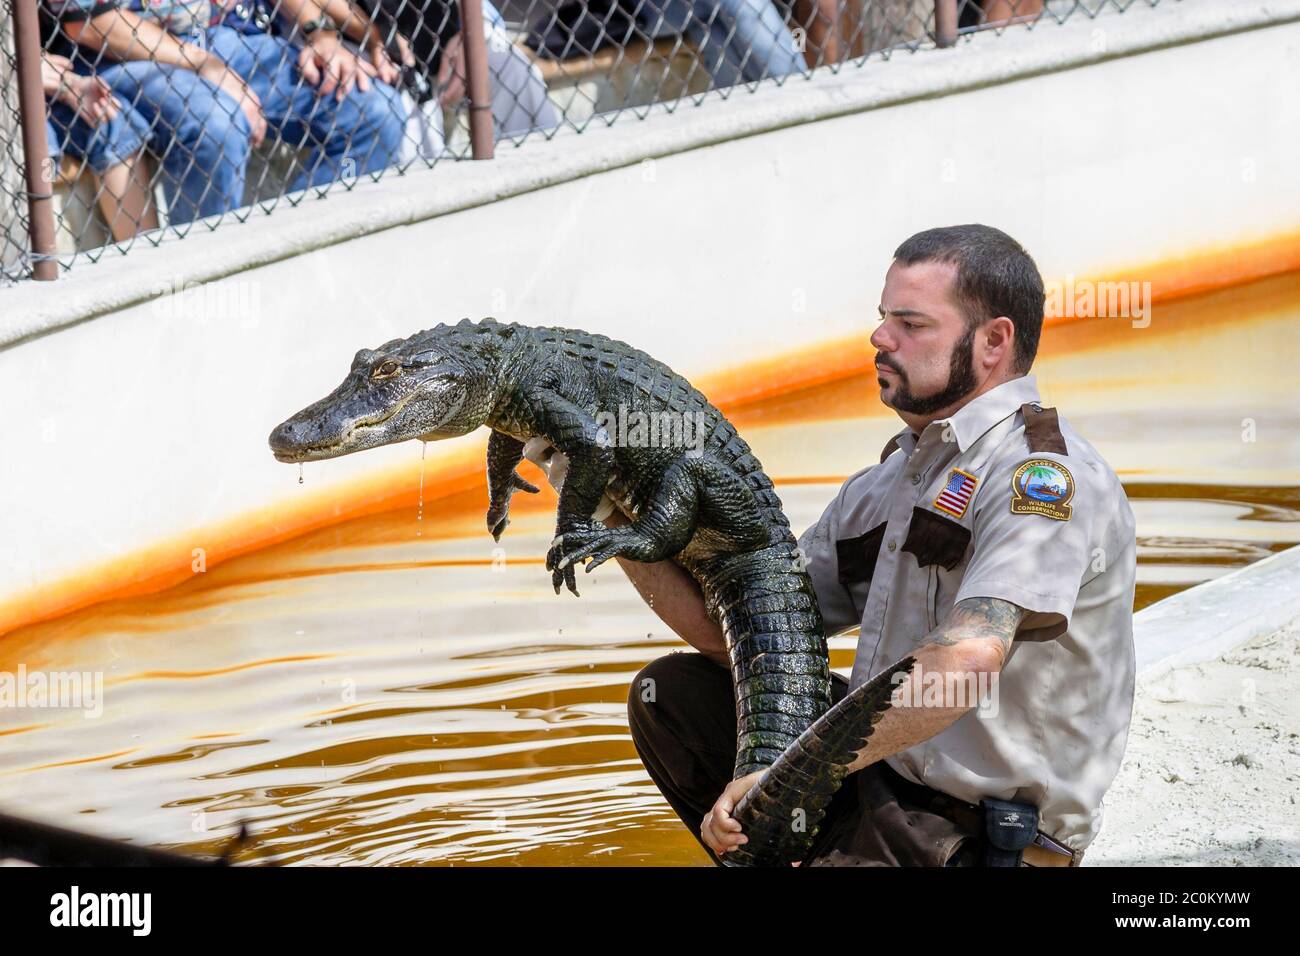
{"type": "Point", "coordinates": [385, 369]}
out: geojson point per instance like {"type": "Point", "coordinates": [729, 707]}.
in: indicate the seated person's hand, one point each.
{"type": "Point", "coordinates": [331, 67]}
{"type": "Point", "coordinates": [90, 96]}
{"type": "Point", "coordinates": [214, 70]}
{"type": "Point", "coordinates": [385, 69]}
{"type": "Point", "coordinates": [404, 50]}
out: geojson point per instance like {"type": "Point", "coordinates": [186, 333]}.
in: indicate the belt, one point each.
{"type": "Point", "coordinates": [1043, 851]}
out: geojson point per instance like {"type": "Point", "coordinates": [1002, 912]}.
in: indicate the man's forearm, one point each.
{"type": "Point", "coordinates": [353, 22]}
{"type": "Point", "coordinates": [903, 726]}
{"type": "Point", "coordinates": [126, 36]}
{"type": "Point", "coordinates": [967, 652]}
{"type": "Point", "coordinates": [677, 600]}
{"type": "Point", "coordinates": [302, 12]}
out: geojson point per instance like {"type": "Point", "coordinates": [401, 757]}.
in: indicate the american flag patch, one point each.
{"type": "Point", "coordinates": [957, 493]}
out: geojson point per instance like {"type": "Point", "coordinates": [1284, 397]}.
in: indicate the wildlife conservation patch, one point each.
{"type": "Point", "coordinates": [1042, 487]}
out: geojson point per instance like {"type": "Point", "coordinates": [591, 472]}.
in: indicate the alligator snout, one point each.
{"type": "Point", "coordinates": [301, 438]}
{"type": "Point", "coordinates": [284, 439]}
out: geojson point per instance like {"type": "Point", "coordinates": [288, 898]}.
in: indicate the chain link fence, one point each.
{"type": "Point", "coordinates": [137, 121]}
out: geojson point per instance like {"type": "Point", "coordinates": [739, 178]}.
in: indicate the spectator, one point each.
{"type": "Point", "coordinates": [200, 116]}
{"type": "Point", "coordinates": [351, 120]}
{"type": "Point", "coordinates": [861, 27]}
{"type": "Point", "coordinates": [86, 122]}
{"type": "Point", "coordinates": [738, 40]}
{"type": "Point", "coordinates": [425, 35]}
{"type": "Point", "coordinates": [213, 88]}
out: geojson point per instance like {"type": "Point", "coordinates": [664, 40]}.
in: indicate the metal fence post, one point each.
{"type": "Point", "coordinates": [480, 93]}
{"type": "Point", "coordinates": [31, 105]}
{"type": "Point", "coordinates": [945, 22]}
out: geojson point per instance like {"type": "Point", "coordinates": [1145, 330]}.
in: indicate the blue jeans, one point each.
{"type": "Point", "coordinates": [739, 40]}
{"type": "Point", "coordinates": [360, 134]}
{"type": "Point", "coordinates": [100, 146]}
{"type": "Point", "coordinates": [196, 130]}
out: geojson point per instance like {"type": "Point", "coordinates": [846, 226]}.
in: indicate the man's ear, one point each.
{"type": "Point", "coordinates": [999, 341]}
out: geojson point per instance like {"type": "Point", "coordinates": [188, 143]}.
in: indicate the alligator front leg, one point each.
{"type": "Point", "coordinates": [503, 455]}
{"type": "Point", "coordinates": [689, 490]}
{"type": "Point", "coordinates": [664, 527]}
{"type": "Point", "coordinates": [591, 461]}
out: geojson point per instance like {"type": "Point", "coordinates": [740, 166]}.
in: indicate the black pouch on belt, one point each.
{"type": "Point", "coordinates": [1009, 828]}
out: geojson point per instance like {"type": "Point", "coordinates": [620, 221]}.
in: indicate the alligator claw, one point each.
{"type": "Point", "coordinates": [570, 542]}
{"type": "Point", "coordinates": [564, 576]}
{"type": "Point", "coordinates": [498, 513]}
{"type": "Point", "coordinates": [523, 485]}
{"type": "Point", "coordinates": [598, 547]}
{"type": "Point", "coordinates": [598, 543]}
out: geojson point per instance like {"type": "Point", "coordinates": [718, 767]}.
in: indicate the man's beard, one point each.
{"type": "Point", "coordinates": [961, 380]}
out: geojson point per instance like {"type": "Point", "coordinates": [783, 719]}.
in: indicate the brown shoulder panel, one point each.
{"type": "Point", "coordinates": [1043, 430]}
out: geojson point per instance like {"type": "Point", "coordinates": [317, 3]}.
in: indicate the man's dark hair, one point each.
{"type": "Point", "coordinates": [995, 276]}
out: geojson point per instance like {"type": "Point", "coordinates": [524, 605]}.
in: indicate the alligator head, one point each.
{"type": "Point", "coordinates": [439, 383]}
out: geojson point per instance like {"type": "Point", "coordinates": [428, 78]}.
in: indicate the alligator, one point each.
{"type": "Point", "coordinates": [700, 499]}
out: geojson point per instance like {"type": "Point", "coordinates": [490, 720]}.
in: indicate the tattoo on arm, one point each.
{"type": "Point", "coordinates": [980, 617]}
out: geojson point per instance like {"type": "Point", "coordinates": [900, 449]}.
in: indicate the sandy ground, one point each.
{"type": "Point", "coordinates": [1211, 776]}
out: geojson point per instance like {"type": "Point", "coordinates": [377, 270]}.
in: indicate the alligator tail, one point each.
{"type": "Point", "coordinates": [766, 606]}
{"type": "Point", "coordinates": [782, 811]}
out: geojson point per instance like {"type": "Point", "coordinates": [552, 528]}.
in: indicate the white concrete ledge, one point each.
{"type": "Point", "coordinates": [89, 290]}
{"type": "Point", "coordinates": [1203, 622]}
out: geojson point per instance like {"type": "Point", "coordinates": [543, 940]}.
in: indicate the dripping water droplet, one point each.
{"type": "Point", "coordinates": [300, 473]}
{"type": "Point", "coordinates": [419, 514]}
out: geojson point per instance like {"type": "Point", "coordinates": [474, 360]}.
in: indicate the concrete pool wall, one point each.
{"type": "Point", "coordinates": [1155, 148]}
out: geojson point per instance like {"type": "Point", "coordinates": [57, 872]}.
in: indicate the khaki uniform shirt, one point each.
{"type": "Point", "coordinates": [1000, 502]}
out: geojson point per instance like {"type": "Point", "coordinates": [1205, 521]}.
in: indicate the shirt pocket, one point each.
{"type": "Point", "coordinates": [856, 559]}
{"type": "Point", "coordinates": [938, 543]}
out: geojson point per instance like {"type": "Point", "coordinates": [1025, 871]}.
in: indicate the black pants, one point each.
{"type": "Point", "coordinates": [682, 714]}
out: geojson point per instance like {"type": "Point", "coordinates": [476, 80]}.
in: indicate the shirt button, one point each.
{"type": "Point", "coordinates": [916, 479]}
{"type": "Point", "coordinates": [892, 545]}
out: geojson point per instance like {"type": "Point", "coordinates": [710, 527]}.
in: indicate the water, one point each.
{"type": "Point", "coordinates": [360, 695]}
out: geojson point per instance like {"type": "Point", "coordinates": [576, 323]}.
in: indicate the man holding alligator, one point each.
{"type": "Point", "coordinates": [991, 547]}
{"type": "Point", "coordinates": [990, 542]}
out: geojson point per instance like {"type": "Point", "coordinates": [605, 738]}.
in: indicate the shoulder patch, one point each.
{"type": "Point", "coordinates": [1042, 487]}
{"type": "Point", "coordinates": [957, 493]}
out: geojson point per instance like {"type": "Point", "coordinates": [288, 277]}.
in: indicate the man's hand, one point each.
{"type": "Point", "coordinates": [90, 96]}
{"type": "Point", "coordinates": [404, 49]}
{"type": "Point", "coordinates": [214, 70]}
{"type": "Point", "coordinates": [331, 67]}
{"type": "Point", "coordinates": [385, 69]}
{"type": "Point", "coordinates": [451, 72]}
{"type": "Point", "coordinates": [720, 831]}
